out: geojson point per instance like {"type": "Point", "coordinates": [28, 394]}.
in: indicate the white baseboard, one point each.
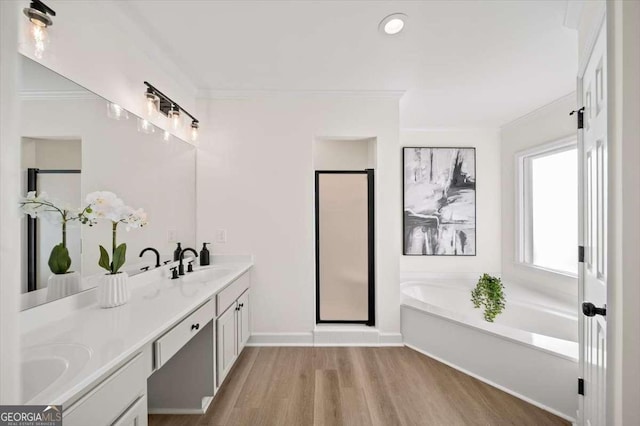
{"type": "Point", "coordinates": [280, 339]}
{"type": "Point", "coordinates": [328, 336]}
{"type": "Point", "coordinates": [495, 385]}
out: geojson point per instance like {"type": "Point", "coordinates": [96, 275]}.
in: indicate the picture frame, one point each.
{"type": "Point", "coordinates": [439, 201]}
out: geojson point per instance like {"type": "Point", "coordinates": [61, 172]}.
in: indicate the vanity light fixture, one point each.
{"type": "Point", "coordinates": [171, 110]}
{"type": "Point", "coordinates": [39, 15]}
{"type": "Point", "coordinates": [392, 24]}
{"type": "Point", "coordinates": [194, 130]}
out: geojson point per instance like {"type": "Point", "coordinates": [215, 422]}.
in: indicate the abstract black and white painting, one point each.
{"type": "Point", "coordinates": [439, 201]}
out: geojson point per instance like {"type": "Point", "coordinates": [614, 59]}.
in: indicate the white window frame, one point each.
{"type": "Point", "coordinates": [524, 228]}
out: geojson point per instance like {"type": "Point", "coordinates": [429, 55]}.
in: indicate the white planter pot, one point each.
{"type": "Point", "coordinates": [62, 285]}
{"type": "Point", "coordinates": [113, 290]}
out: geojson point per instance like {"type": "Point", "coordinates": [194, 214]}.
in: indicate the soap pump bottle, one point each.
{"type": "Point", "coordinates": [176, 253]}
{"type": "Point", "coordinates": [204, 255]}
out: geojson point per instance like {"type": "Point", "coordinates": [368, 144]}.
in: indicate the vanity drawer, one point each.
{"type": "Point", "coordinates": [229, 295]}
{"type": "Point", "coordinates": [107, 401]}
{"type": "Point", "coordinates": [172, 341]}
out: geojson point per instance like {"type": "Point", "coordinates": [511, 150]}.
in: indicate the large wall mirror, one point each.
{"type": "Point", "coordinates": [74, 143]}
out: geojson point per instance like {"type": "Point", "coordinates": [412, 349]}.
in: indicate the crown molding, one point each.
{"type": "Point", "coordinates": [253, 94]}
{"type": "Point", "coordinates": [567, 97]}
{"type": "Point", "coordinates": [49, 95]}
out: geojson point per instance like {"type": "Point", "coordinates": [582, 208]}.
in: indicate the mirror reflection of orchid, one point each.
{"type": "Point", "coordinates": [105, 205]}
{"type": "Point", "coordinates": [41, 206]}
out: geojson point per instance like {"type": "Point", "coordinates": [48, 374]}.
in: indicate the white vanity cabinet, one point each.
{"type": "Point", "coordinates": [226, 327]}
{"type": "Point", "coordinates": [136, 415]}
{"type": "Point", "coordinates": [117, 397]}
{"type": "Point", "coordinates": [233, 326]}
{"type": "Point", "coordinates": [244, 326]}
{"type": "Point", "coordinates": [174, 361]}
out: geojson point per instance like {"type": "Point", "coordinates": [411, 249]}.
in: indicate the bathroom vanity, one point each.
{"type": "Point", "coordinates": [167, 351]}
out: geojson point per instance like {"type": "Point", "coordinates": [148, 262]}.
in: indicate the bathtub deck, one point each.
{"type": "Point", "coordinates": [355, 386]}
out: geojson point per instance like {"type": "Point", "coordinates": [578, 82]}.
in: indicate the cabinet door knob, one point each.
{"type": "Point", "coordinates": [195, 326]}
{"type": "Point", "coordinates": [242, 305]}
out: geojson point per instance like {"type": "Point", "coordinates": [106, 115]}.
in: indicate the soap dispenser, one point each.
{"type": "Point", "coordinates": [176, 253]}
{"type": "Point", "coordinates": [204, 255]}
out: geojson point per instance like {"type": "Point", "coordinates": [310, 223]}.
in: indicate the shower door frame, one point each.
{"type": "Point", "coordinates": [370, 321]}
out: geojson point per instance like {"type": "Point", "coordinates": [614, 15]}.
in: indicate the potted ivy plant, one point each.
{"type": "Point", "coordinates": [113, 288]}
{"type": "Point", "coordinates": [62, 282]}
{"type": "Point", "coordinates": [489, 294]}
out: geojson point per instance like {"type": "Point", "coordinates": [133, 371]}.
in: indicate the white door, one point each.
{"type": "Point", "coordinates": [244, 330]}
{"type": "Point", "coordinates": [594, 235]}
{"type": "Point", "coordinates": [226, 329]}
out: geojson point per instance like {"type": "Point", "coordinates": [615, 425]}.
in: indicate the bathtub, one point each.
{"type": "Point", "coordinates": [530, 351]}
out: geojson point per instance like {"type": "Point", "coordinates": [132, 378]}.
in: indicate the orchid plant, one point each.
{"type": "Point", "coordinates": [105, 205]}
{"type": "Point", "coordinates": [41, 206]}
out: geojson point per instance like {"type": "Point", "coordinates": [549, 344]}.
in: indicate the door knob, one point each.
{"type": "Point", "coordinates": [590, 310]}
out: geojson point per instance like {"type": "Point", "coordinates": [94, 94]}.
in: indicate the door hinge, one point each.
{"type": "Point", "coordinates": [581, 254]}
{"type": "Point", "coordinates": [580, 386]}
{"type": "Point", "coordinates": [580, 113]}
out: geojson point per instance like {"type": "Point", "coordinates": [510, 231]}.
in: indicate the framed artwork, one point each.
{"type": "Point", "coordinates": [439, 201]}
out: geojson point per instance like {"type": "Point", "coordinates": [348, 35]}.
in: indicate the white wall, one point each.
{"type": "Point", "coordinates": [142, 169]}
{"type": "Point", "coordinates": [330, 154]}
{"type": "Point", "coordinates": [98, 45]}
{"type": "Point", "coordinates": [9, 217]}
{"type": "Point", "coordinates": [487, 144]}
{"type": "Point", "coordinates": [256, 180]}
{"type": "Point", "coordinates": [546, 124]}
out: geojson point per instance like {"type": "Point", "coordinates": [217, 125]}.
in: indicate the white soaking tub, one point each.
{"type": "Point", "coordinates": [530, 351]}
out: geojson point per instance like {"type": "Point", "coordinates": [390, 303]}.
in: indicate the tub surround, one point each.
{"type": "Point", "coordinates": [107, 339]}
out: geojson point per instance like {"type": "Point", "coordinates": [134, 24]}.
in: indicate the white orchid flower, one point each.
{"type": "Point", "coordinates": [134, 218]}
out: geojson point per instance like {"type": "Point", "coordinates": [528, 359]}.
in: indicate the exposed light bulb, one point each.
{"type": "Point", "coordinates": [174, 117]}
{"type": "Point", "coordinates": [39, 17]}
{"type": "Point", "coordinates": [145, 126]}
{"type": "Point", "coordinates": [194, 130]}
{"type": "Point", "coordinates": [152, 104]}
{"type": "Point", "coordinates": [116, 112]}
{"type": "Point", "coordinates": [40, 38]}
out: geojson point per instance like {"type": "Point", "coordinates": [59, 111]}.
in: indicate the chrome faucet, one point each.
{"type": "Point", "coordinates": [156, 253]}
{"type": "Point", "coordinates": [181, 266]}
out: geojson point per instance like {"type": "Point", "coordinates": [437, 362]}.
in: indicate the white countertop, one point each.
{"type": "Point", "coordinates": [112, 335]}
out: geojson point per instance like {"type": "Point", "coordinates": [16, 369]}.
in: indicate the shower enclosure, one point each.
{"type": "Point", "coordinates": [345, 272]}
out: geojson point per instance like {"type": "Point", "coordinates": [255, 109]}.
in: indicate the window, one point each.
{"type": "Point", "coordinates": [548, 207]}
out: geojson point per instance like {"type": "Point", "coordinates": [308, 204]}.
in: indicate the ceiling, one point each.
{"type": "Point", "coordinates": [459, 63]}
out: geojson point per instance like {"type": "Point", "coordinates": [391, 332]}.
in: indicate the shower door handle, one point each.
{"type": "Point", "coordinates": [591, 310]}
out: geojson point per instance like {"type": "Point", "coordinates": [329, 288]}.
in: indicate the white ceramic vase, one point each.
{"type": "Point", "coordinates": [62, 285]}
{"type": "Point", "coordinates": [113, 290]}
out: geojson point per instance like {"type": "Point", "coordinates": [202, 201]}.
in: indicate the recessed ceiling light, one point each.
{"type": "Point", "coordinates": [393, 23]}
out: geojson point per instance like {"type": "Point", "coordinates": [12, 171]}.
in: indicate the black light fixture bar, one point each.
{"type": "Point", "coordinates": [40, 6]}
{"type": "Point", "coordinates": [166, 103]}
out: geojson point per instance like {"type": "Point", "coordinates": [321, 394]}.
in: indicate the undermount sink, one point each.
{"type": "Point", "coordinates": [206, 275]}
{"type": "Point", "coordinates": [45, 367]}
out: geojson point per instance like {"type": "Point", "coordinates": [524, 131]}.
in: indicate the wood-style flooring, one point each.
{"type": "Point", "coordinates": [355, 386]}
